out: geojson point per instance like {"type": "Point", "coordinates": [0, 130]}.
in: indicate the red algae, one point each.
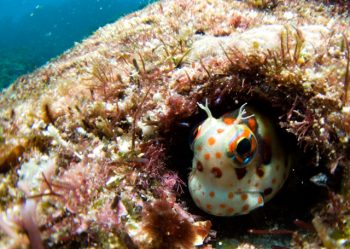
{"type": "Point", "coordinates": [90, 135]}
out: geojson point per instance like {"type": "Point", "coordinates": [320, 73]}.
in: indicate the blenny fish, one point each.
{"type": "Point", "coordinates": [239, 162]}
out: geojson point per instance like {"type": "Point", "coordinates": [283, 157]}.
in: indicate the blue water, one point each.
{"type": "Point", "coordinates": [34, 31]}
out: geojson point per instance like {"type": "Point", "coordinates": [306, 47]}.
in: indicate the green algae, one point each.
{"type": "Point", "coordinates": [114, 110]}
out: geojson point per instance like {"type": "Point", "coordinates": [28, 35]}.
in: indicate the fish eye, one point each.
{"type": "Point", "coordinates": [243, 147]}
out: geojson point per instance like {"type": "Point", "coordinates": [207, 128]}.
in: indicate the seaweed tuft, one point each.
{"type": "Point", "coordinates": [166, 227]}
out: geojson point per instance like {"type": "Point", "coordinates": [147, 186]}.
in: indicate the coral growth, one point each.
{"type": "Point", "coordinates": [97, 138]}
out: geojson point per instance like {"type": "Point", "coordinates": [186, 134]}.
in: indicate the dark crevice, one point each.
{"type": "Point", "coordinates": [298, 198]}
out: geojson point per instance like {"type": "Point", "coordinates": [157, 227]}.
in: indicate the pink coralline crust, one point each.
{"type": "Point", "coordinates": [110, 108]}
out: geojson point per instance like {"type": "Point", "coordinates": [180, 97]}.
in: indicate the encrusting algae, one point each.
{"type": "Point", "coordinates": [94, 146]}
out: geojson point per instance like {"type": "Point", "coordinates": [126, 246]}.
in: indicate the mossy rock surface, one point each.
{"type": "Point", "coordinates": [94, 145]}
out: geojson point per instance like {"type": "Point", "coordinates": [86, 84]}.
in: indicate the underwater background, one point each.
{"type": "Point", "coordinates": [34, 31]}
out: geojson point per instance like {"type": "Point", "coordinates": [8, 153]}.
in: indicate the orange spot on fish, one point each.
{"type": "Point", "coordinates": [209, 206]}
{"type": "Point", "coordinates": [212, 194]}
{"type": "Point", "coordinates": [274, 181]}
{"type": "Point", "coordinates": [253, 145]}
{"type": "Point", "coordinates": [229, 121]}
{"type": "Point", "coordinates": [218, 155]}
{"type": "Point", "coordinates": [245, 133]}
{"type": "Point", "coordinates": [260, 172]}
{"type": "Point", "coordinates": [207, 156]}
{"type": "Point", "coordinates": [230, 210]}
{"type": "Point", "coordinates": [199, 166]}
{"type": "Point", "coordinates": [260, 200]}
{"type": "Point", "coordinates": [220, 131]}
{"type": "Point", "coordinates": [230, 195]}
{"type": "Point", "coordinates": [245, 208]}
{"type": "Point", "coordinates": [211, 141]}
{"type": "Point", "coordinates": [252, 124]}
{"type": "Point", "coordinates": [199, 148]}
{"type": "Point", "coordinates": [244, 197]}
{"type": "Point", "coordinates": [222, 205]}
{"type": "Point", "coordinates": [240, 173]}
{"type": "Point", "coordinates": [217, 172]}
{"type": "Point", "coordinates": [232, 146]}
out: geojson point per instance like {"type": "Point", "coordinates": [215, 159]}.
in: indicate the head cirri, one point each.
{"type": "Point", "coordinates": [239, 162]}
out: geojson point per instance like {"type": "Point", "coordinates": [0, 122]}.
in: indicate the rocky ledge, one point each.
{"type": "Point", "coordinates": [94, 148]}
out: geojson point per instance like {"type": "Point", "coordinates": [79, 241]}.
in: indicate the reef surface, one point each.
{"type": "Point", "coordinates": [94, 148]}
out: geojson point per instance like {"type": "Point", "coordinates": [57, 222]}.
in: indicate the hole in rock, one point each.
{"type": "Point", "coordinates": [296, 200]}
